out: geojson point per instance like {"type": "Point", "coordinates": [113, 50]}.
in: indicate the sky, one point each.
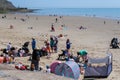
{"type": "Point", "coordinates": [67, 3]}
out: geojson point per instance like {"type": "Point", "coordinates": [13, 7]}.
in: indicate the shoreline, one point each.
{"type": "Point", "coordinates": [89, 12]}
{"type": "Point", "coordinates": [35, 14]}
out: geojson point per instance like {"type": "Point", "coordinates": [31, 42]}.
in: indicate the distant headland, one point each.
{"type": "Point", "coordinates": [6, 6]}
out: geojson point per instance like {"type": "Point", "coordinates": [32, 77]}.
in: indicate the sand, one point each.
{"type": "Point", "coordinates": [95, 37]}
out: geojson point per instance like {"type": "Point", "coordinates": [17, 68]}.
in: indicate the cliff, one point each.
{"type": "Point", "coordinates": [5, 5]}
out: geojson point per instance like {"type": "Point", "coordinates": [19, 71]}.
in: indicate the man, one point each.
{"type": "Point", "coordinates": [35, 59]}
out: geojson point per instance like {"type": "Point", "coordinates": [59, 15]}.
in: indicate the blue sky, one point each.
{"type": "Point", "coordinates": [67, 3]}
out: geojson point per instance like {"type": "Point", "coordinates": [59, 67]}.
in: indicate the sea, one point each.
{"type": "Point", "coordinates": [111, 13]}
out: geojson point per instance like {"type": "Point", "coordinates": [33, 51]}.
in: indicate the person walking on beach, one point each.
{"type": "Point", "coordinates": [33, 43]}
{"type": "Point", "coordinates": [35, 60]}
{"type": "Point", "coordinates": [68, 44]}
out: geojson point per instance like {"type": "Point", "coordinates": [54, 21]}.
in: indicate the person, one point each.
{"type": "Point", "coordinates": [48, 50]}
{"type": "Point", "coordinates": [68, 44]}
{"type": "Point", "coordinates": [56, 19]}
{"type": "Point", "coordinates": [81, 27]}
{"type": "Point", "coordinates": [114, 43]}
{"type": "Point", "coordinates": [9, 46]}
{"type": "Point", "coordinates": [63, 54]}
{"type": "Point", "coordinates": [118, 22]}
{"type": "Point", "coordinates": [25, 47]}
{"type": "Point", "coordinates": [52, 27]}
{"type": "Point", "coordinates": [71, 58]}
{"type": "Point", "coordinates": [104, 22]}
{"type": "Point", "coordinates": [11, 60]}
{"type": "Point", "coordinates": [21, 52]}
{"type": "Point", "coordinates": [83, 54]}
{"type": "Point", "coordinates": [51, 43]}
{"type": "Point", "coordinates": [26, 44]}
{"type": "Point", "coordinates": [35, 59]}
{"type": "Point", "coordinates": [33, 43]}
{"type": "Point", "coordinates": [11, 27]}
{"type": "Point", "coordinates": [48, 70]}
{"type": "Point", "coordinates": [56, 44]}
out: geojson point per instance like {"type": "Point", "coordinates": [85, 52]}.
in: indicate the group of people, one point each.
{"type": "Point", "coordinates": [57, 19]}
{"type": "Point", "coordinates": [9, 53]}
{"type": "Point", "coordinates": [51, 46]}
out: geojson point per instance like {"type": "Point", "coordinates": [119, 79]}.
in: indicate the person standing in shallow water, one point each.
{"type": "Point", "coordinates": [33, 43]}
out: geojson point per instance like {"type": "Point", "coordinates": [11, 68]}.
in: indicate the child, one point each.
{"type": "Point", "coordinates": [48, 70]}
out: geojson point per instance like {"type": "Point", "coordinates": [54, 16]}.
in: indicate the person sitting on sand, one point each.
{"type": "Point", "coordinates": [9, 46]}
{"type": "Point", "coordinates": [114, 43]}
{"type": "Point", "coordinates": [76, 58]}
{"type": "Point", "coordinates": [21, 52]}
{"type": "Point", "coordinates": [62, 55]}
{"type": "Point", "coordinates": [48, 70]}
{"type": "Point", "coordinates": [11, 27]}
{"type": "Point", "coordinates": [6, 58]}
{"type": "Point", "coordinates": [11, 60]}
{"type": "Point", "coordinates": [52, 28]}
{"type": "Point", "coordinates": [81, 27]}
{"type": "Point", "coordinates": [25, 48]}
{"type": "Point", "coordinates": [26, 44]}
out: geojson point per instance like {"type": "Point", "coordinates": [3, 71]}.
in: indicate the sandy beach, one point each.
{"type": "Point", "coordinates": [95, 37]}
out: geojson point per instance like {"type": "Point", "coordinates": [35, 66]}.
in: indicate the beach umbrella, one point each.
{"type": "Point", "coordinates": [82, 52]}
